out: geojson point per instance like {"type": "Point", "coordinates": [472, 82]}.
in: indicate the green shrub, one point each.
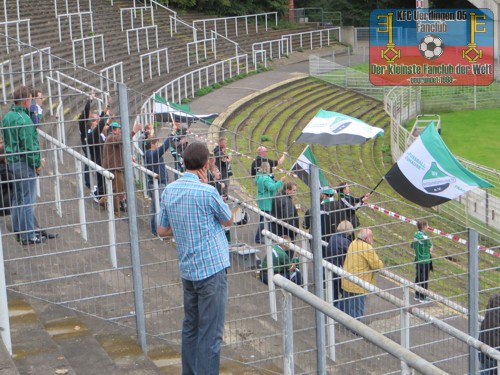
{"type": "Point", "coordinates": [216, 86]}
{"type": "Point", "coordinates": [265, 138]}
{"type": "Point", "coordinates": [185, 101]}
{"type": "Point", "coordinates": [203, 91]}
{"type": "Point", "coordinates": [300, 49]}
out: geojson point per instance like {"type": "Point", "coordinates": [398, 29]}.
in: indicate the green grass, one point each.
{"type": "Point", "coordinates": [473, 135]}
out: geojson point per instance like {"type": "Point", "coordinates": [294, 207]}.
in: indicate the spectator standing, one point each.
{"type": "Point", "coordinates": [24, 165]}
{"type": "Point", "coordinates": [112, 160]}
{"type": "Point", "coordinates": [178, 144]}
{"type": "Point", "coordinates": [262, 157]}
{"type": "Point", "coordinates": [36, 109]}
{"type": "Point", "coordinates": [328, 208]}
{"type": "Point", "coordinates": [284, 209]}
{"type": "Point", "coordinates": [6, 185]}
{"type": "Point", "coordinates": [96, 136]}
{"type": "Point", "coordinates": [196, 215]}
{"type": "Point", "coordinates": [285, 263]}
{"type": "Point", "coordinates": [336, 252]}
{"type": "Point", "coordinates": [361, 261]}
{"type": "Point", "coordinates": [423, 259]}
{"type": "Point", "coordinates": [266, 190]}
{"type": "Point", "coordinates": [349, 205]}
{"type": "Point", "coordinates": [490, 335]}
{"type": "Point", "coordinates": [83, 127]}
{"type": "Point", "coordinates": [222, 161]}
{"type": "Point", "coordinates": [213, 175]}
{"type": "Point", "coordinates": [153, 160]}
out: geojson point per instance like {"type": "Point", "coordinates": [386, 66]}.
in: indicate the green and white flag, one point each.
{"type": "Point", "coordinates": [302, 169]}
{"type": "Point", "coordinates": [428, 174]}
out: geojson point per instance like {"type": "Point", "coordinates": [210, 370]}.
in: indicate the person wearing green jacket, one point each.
{"type": "Point", "coordinates": [24, 164]}
{"type": "Point", "coordinates": [423, 259]}
{"type": "Point", "coordinates": [266, 190]}
{"type": "Point", "coordinates": [284, 263]}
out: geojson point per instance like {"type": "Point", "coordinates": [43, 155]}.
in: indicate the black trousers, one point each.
{"type": "Point", "coordinates": [422, 278]}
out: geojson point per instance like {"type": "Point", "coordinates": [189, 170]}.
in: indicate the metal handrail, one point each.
{"type": "Point", "coordinates": [368, 333]}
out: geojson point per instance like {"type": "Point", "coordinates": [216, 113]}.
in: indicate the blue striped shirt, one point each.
{"type": "Point", "coordinates": [194, 210]}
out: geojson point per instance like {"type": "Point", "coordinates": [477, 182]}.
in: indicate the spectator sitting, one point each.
{"type": "Point", "coordinates": [282, 264]}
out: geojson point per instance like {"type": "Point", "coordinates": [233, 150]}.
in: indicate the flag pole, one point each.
{"type": "Point", "coordinates": [376, 186]}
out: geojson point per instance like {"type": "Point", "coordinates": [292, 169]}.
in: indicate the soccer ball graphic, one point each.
{"type": "Point", "coordinates": [431, 47]}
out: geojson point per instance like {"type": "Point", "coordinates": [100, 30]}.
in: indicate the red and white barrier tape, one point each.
{"type": "Point", "coordinates": [434, 230]}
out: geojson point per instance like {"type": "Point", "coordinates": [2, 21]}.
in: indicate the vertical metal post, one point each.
{"type": "Point", "coordinates": [4, 307]}
{"type": "Point", "coordinates": [318, 268]}
{"type": "Point", "coordinates": [472, 242]}
{"type": "Point", "coordinates": [288, 360]}
{"type": "Point", "coordinates": [132, 215]}
{"type": "Point", "coordinates": [270, 275]}
{"type": "Point", "coordinates": [405, 328]}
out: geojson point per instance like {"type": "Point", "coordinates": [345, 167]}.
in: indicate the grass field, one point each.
{"type": "Point", "coordinates": [473, 135]}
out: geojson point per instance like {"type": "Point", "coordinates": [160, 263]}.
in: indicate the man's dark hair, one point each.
{"type": "Point", "coordinates": [150, 142]}
{"type": "Point", "coordinates": [289, 185]}
{"type": "Point", "coordinates": [421, 224]}
{"type": "Point", "coordinates": [196, 156]}
{"type": "Point", "coordinates": [35, 92]}
{"type": "Point", "coordinates": [20, 94]}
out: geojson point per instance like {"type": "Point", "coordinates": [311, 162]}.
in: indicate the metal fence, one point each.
{"type": "Point", "coordinates": [141, 288]}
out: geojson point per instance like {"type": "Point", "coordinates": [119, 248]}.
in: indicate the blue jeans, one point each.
{"type": "Point", "coordinates": [203, 326]}
{"type": "Point", "coordinates": [23, 199]}
{"type": "Point", "coordinates": [353, 304]}
{"type": "Point", "coordinates": [488, 365]}
{"type": "Point", "coordinates": [152, 209]}
{"type": "Point", "coordinates": [258, 235]}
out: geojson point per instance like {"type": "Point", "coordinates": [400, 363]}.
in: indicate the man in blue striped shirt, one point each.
{"type": "Point", "coordinates": [194, 213]}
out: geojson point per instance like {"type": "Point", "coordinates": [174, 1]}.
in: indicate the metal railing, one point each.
{"type": "Point", "coordinates": [81, 16]}
{"type": "Point", "coordinates": [133, 14]}
{"type": "Point", "coordinates": [406, 356]}
{"type": "Point", "coordinates": [276, 47]}
{"type": "Point", "coordinates": [150, 56]}
{"type": "Point", "coordinates": [93, 40]}
{"type": "Point", "coordinates": [67, 4]}
{"type": "Point", "coordinates": [203, 43]}
{"type": "Point", "coordinates": [17, 37]}
{"type": "Point", "coordinates": [186, 85]}
{"type": "Point", "coordinates": [211, 23]}
{"type": "Point", "coordinates": [111, 76]}
{"type": "Point", "coordinates": [325, 38]}
{"type": "Point", "coordinates": [6, 77]}
{"type": "Point", "coordinates": [137, 32]}
{"type": "Point", "coordinates": [35, 66]}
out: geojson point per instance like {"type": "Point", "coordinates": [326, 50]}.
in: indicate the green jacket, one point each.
{"type": "Point", "coordinates": [266, 190]}
{"type": "Point", "coordinates": [20, 137]}
{"type": "Point", "coordinates": [422, 245]}
{"type": "Point", "coordinates": [281, 261]}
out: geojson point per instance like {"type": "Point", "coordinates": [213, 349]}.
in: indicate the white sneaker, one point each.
{"type": "Point", "coordinates": [94, 196]}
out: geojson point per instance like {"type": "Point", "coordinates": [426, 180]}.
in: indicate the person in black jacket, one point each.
{"type": "Point", "coordinates": [349, 205]}
{"type": "Point", "coordinates": [284, 209]}
{"type": "Point", "coordinates": [336, 252]}
{"type": "Point", "coordinates": [490, 334]}
{"type": "Point", "coordinates": [327, 214]}
{"type": "Point", "coordinates": [96, 136]}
